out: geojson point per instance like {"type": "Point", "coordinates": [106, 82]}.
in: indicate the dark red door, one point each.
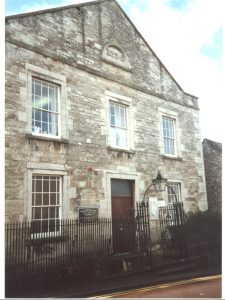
{"type": "Point", "coordinates": [122, 192]}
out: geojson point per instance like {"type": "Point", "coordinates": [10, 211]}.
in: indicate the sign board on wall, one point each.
{"type": "Point", "coordinates": [87, 213]}
{"type": "Point", "coordinates": [153, 208]}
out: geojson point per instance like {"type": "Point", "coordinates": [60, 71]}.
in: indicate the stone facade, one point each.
{"type": "Point", "coordinates": [212, 153]}
{"type": "Point", "coordinates": [95, 55]}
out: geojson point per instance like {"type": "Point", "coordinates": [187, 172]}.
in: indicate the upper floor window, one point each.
{"type": "Point", "coordinates": [169, 135]}
{"type": "Point", "coordinates": [46, 203]}
{"type": "Point", "coordinates": [45, 108]}
{"type": "Point", "coordinates": [173, 194]}
{"type": "Point", "coordinates": [118, 125]}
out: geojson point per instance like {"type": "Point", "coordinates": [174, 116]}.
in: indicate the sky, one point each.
{"type": "Point", "coordinates": [186, 35]}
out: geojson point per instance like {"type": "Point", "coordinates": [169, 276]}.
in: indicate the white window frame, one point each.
{"type": "Point", "coordinates": [56, 79]}
{"type": "Point", "coordinates": [54, 233]}
{"type": "Point", "coordinates": [48, 170]}
{"type": "Point", "coordinates": [171, 183]}
{"type": "Point", "coordinates": [170, 115]}
{"type": "Point", "coordinates": [124, 101]}
{"type": "Point", "coordinates": [58, 110]}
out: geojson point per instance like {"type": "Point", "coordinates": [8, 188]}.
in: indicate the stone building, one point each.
{"type": "Point", "coordinates": [212, 153]}
{"type": "Point", "coordinates": [91, 115]}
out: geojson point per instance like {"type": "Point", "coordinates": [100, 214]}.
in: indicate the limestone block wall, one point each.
{"type": "Point", "coordinates": [68, 47]}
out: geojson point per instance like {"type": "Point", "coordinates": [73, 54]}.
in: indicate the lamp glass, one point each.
{"type": "Point", "coordinates": [159, 183]}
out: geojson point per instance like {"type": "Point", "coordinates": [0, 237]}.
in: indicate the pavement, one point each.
{"type": "Point", "coordinates": [168, 271]}
{"type": "Point", "coordinates": [162, 274]}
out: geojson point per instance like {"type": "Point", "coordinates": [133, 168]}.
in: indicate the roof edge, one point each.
{"type": "Point", "coordinates": [188, 94]}
{"type": "Point", "coordinates": [215, 145]}
{"type": "Point", "coordinates": [47, 10]}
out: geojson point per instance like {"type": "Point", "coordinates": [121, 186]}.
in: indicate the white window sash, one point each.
{"type": "Point", "coordinates": [169, 140]}
{"type": "Point", "coordinates": [56, 206]}
{"type": "Point", "coordinates": [118, 133]}
{"type": "Point", "coordinates": [54, 125]}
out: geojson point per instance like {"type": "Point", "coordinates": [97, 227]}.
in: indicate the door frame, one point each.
{"type": "Point", "coordinates": [119, 175]}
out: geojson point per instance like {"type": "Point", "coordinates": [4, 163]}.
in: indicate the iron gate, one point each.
{"type": "Point", "coordinates": [173, 233]}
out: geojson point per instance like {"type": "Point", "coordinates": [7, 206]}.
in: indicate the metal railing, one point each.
{"type": "Point", "coordinates": [74, 243]}
{"type": "Point", "coordinates": [173, 230]}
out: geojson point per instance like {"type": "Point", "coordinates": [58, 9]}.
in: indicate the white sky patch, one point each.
{"type": "Point", "coordinates": [177, 37]}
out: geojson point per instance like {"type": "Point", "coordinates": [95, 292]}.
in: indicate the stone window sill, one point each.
{"type": "Point", "coordinates": [43, 138]}
{"type": "Point", "coordinates": [121, 150]}
{"type": "Point", "coordinates": [172, 157]}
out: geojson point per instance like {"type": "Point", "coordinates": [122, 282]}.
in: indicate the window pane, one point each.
{"type": "Point", "coordinates": [123, 119]}
{"type": "Point", "coordinates": [53, 118]}
{"type": "Point", "coordinates": [53, 186]}
{"type": "Point", "coordinates": [37, 213]}
{"type": "Point", "coordinates": [44, 128]}
{"type": "Point", "coordinates": [46, 185]}
{"type": "Point", "coordinates": [37, 102]}
{"type": "Point", "coordinates": [33, 199]}
{"type": "Point", "coordinates": [52, 225]}
{"type": "Point", "coordinates": [37, 127]}
{"type": "Point", "coordinates": [53, 129]}
{"type": "Point", "coordinates": [44, 102]}
{"type": "Point", "coordinates": [121, 187]}
{"type": "Point", "coordinates": [123, 138]}
{"type": "Point", "coordinates": [53, 199]}
{"type": "Point", "coordinates": [52, 105]}
{"type": "Point", "coordinates": [57, 184]}
{"type": "Point", "coordinates": [36, 227]}
{"type": "Point", "coordinates": [45, 213]}
{"type": "Point", "coordinates": [44, 116]}
{"type": "Point", "coordinates": [38, 186]}
{"type": "Point", "coordinates": [37, 115]}
{"type": "Point", "coordinates": [112, 109]}
{"type": "Point", "coordinates": [46, 199]}
{"type": "Point", "coordinates": [38, 198]}
{"type": "Point", "coordinates": [58, 198]}
{"type": "Point", "coordinates": [44, 90]}
{"type": "Point", "coordinates": [44, 225]}
{"type": "Point", "coordinates": [52, 212]}
{"type": "Point", "coordinates": [112, 121]}
{"type": "Point", "coordinates": [37, 90]}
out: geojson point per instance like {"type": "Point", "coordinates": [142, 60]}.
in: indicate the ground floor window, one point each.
{"type": "Point", "coordinates": [176, 186]}
{"type": "Point", "coordinates": [46, 203]}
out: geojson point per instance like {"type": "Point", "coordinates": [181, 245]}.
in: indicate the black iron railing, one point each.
{"type": "Point", "coordinates": [93, 242]}
{"type": "Point", "coordinates": [173, 230]}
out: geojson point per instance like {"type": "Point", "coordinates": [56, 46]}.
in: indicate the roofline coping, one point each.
{"type": "Point", "coordinates": [205, 140]}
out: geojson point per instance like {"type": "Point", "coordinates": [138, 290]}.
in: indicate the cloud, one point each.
{"type": "Point", "coordinates": [178, 35]}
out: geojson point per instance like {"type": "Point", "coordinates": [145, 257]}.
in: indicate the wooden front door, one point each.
{"type": "Point", "coordinates": [122, 192]}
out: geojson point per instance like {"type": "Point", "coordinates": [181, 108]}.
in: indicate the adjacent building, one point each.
{"type": "Point", "coordinates": [91, 115]}
{"type": "Point", "coordinates": [212, 153]}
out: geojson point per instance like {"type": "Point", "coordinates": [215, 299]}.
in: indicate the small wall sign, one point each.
{"type": "Point", "coordinates": [153, 208]}
{"type": "Point", "coordinates": [87, 213]}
